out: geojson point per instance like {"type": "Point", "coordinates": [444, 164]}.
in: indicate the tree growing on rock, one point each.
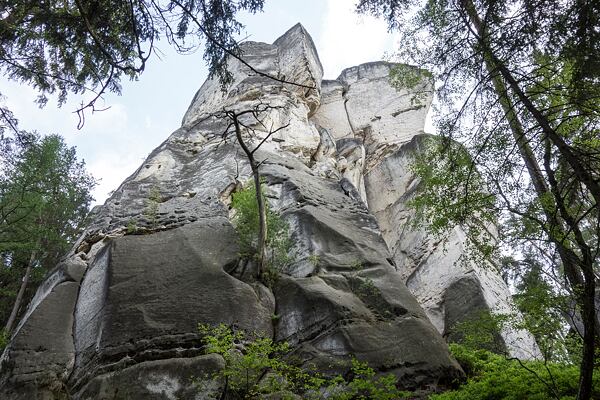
{"type": "Point", "coordinates": [246, 221]}
{"type": "Point", "coordinates": [250, 125]}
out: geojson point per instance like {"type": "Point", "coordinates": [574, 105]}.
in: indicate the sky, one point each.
{"type": "Point", "coordinates": [115, 142]}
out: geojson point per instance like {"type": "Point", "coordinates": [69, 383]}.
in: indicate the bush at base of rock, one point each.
{"type": "Point", "coordinates": [257, 367]}
{"type": "Point", "coordinates": [492, 376]}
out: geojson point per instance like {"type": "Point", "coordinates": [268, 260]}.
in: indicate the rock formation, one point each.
{"type": "Point", "coordinates": [117, 319]}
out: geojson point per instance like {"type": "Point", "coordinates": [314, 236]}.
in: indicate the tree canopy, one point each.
{"type": "Point", "coordinates": [518, 84]}
{"type": "Point", "coordinates": [44, 201]}
{"type": "Point", "coordinates": [62, 47]}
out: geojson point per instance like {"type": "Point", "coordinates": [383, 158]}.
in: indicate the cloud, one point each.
{"type": "Point", "coordinates": [113, 142]}
{"type": "Point", "coordinates": [111, 170]}
{"type": "Point", "coordinates": [349, 39]}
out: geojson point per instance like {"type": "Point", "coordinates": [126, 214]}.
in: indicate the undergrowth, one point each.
{"type": "Point", "coordinates": [494, 377]}
{"type": "Point", "coordinates": [257, 367]}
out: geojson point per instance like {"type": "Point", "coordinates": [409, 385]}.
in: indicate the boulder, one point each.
{"type": "Point", "coordinates": [39, 358]}
{"type": "Point", "coordinates": [143, 297]}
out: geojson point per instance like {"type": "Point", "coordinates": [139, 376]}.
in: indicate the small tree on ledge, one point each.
{"type": "Point", "coordinates": [244, 133]}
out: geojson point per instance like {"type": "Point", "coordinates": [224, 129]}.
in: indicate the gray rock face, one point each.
{"type": "Point", "coordinates": [432, 268]}
{"type": "Point", "coordinates": [118, 319]}
{"type": "Point", "coordinates": [173, 379]}
{"type": "Point", "coordinates": [143, 296]}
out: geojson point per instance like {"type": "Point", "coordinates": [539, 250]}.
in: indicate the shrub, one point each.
{"type": "Point", "coordinates": [257, 366]}
{"type": "Point", "coordinates": [481, 330]}
{"type": "Point", "coordinates": [152, 206]}
{"type": "Point", "coordinates": [132, 226]}
{"type": "Point", "coordinates": [254, 365]}
{"type": "Point", "coordinates": [363, 385]}
{"type": "Point", "coordinates": [492, 376]}
{"type": "Point", "coordinates": [4, 339]}
{"type": "Point", "coordinates": [246, 222]}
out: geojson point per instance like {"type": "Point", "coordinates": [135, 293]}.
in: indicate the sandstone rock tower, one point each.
{"type": "Point", "coordinates": [117, 319]}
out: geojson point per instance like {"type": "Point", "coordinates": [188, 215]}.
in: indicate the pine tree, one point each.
{"type": "Point", "coordinates": [44, 200]}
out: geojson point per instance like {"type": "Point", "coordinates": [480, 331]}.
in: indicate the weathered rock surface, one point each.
{"type": "Point", "coordinates": [118, 318]}
{"type": "Point", "coordinates": [449, 289]}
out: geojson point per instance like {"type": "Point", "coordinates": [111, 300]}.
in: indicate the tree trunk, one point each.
{"type": "Point", "coordinates": [584, 286]}
{"type": "Point", "coordinates": [262, 219]}
{"type": "Point", "coordinates": [262, 214]}
{"type": "Point", "coordinates": [15, 310]}
{"type": "Point", "coordinates": [580, 170]}
{"type": "Point", "coordinates": [588, 317]}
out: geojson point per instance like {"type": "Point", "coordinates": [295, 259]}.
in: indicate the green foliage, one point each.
{"type": "Point", "coordinates": [356, 266]}
{"type": "Point", "coordinates": [44, 199]}
{"type": "Point", "coordinates": [453, 193]}
{"type": "Point", "coordinates": [256, 366]}
{"type": "Point", "coordinates": [539, 313]}
{"type": "Point", "coordinates": [364, 385]}
{"type": "Point", "coordinates": [419, 81]}
{"type": "Point", "coordinates": [152, 205]}
{"type": "Point", "coordinates": [542, 306]}
{"type": "Point", "coordinates": [517, 89]}
{"type": "Point", "coordinates": [481, 330]}
{"type": "Point", "coordinates": [365, 289]}
{"type": "Point", "coordinates": [314, 259]}
{"type": "Point", "coordinates": [45, 195]}
{"type": "Point", "coordinates": [132, 226]}
{"type": "Point", "coordinates": [542, 309]}
{"type": "Point", "coordinates": [4, 338]}
{"type": "Point", "coordinates": [491, 377]}
{"type": "Point", "coordinates": [367, 286]}
{"type": "Point", "coordinates": [249, 359]}
{"type": "Point", "coordinates": [246, 222]}
{"type": "Point", "coordinates": [61, 47]}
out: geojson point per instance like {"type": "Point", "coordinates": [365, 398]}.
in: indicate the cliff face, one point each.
{"type": "Point", "coordinates": [118, 318]}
